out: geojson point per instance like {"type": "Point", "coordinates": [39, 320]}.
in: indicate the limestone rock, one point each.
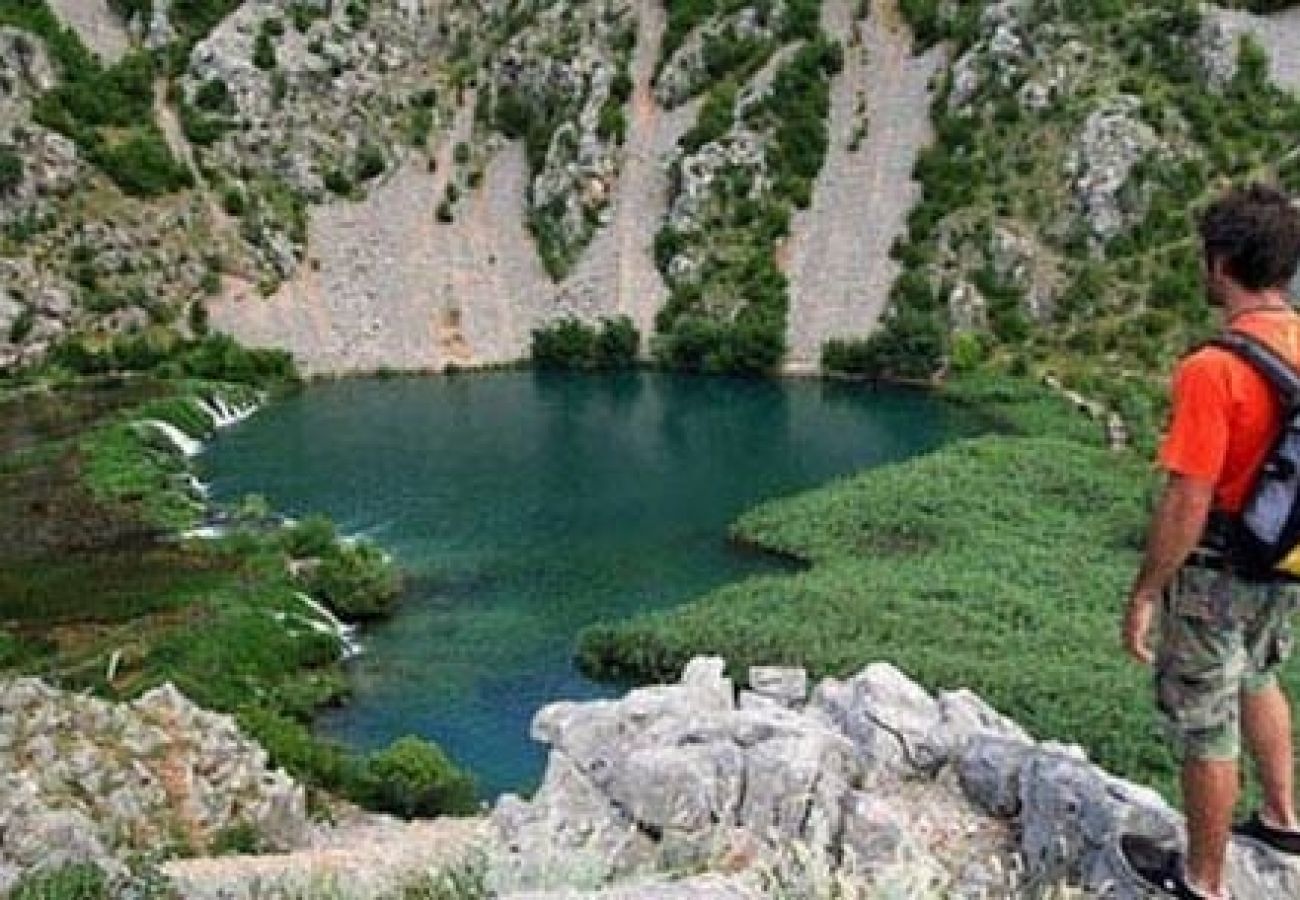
{"type": "Point", "coordinates": [1114, 139]}
{"type": "Point", "coordinates": [91, 781]}
{"type": "Point", "coordinates": [875, 786]}
{"type": "Point", "coordinates": [786, 685]}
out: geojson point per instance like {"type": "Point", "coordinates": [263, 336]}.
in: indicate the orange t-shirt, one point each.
{"type": "Point", "coordinates": [1225, 415]}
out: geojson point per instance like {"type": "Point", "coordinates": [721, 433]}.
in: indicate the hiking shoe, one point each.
{"type": "Point", "coordinates": [1160, 867]}
{"type": "Point", "coordinates": [1277, 839]}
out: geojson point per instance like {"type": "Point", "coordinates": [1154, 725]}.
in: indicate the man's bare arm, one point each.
{"type": "Point", "coordinates": [1176, 529]}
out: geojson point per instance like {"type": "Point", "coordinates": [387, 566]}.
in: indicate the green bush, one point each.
{"type": "Point", "coordinates": [78, 882]}
{"type": "Point", "coordinates": [11, 170]}
{"type": "Point", "coordinates": [370, 162]}
{"type": "Point", "coordinates": [22, 326]}
{"type": "Point", "coordinates": [312, 537]}
{"type": "Point", "coordinates": [613, 122]}
{"type": "Point", "coordinates": [214, 96]}
{"type": "Point", "coordinates": [201, 128]}
{"type": "Point", "coordinates": [573, 344]}
{"type": "Point", "coordinates": [264, 50]}
{"type": "Point", "coordinates": [216, 357]}
{"type": "Point", "coordinates": [358, 582]}
{"type": "Point", "coordinates": [413, 777]}
{"type": "Point", "coordinates": [233, 201]}
{"type": "Point", "coordinates": [142, 165]}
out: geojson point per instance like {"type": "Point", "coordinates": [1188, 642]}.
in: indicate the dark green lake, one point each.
{"type": "Point", "coordinates": [525, 506]}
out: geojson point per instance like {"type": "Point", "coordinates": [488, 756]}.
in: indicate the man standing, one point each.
{"type": "Point", "coordinates": [1222, 637]}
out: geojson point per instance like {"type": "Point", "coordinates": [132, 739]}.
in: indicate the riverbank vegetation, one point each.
{"type": "Point", "coordinates": [571, 344]}
{"type": "Point", "coordinates": [999, 564]}
{"type": "Point", "coordinates": [95, 491]}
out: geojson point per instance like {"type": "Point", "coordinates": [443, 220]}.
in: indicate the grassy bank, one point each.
{"type": "Point", "coordinates": [999, 563]}
{"type": "Point", "coordinates": [99, 591]}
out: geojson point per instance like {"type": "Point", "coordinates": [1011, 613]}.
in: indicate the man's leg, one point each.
{"type": "Point", "coordinates": [1266, 721]}
{"type": "Point", "coordinates": [1209, 795]}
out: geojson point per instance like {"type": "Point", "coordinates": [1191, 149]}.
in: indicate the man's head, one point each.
{"type": "Point", "coordinates": [1251, 238]}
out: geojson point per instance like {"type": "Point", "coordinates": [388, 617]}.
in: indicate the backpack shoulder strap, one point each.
{"type": "Point", "coordinates": [1281, 374]}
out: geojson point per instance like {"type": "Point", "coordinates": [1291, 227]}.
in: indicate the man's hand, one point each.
{"type": "Point", "coordinates": [1176, 529]}
{"type": "Point", "coordinates": [1137, 627]}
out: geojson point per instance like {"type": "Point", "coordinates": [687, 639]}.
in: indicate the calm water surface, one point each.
{"type": "Point", "coordinates": [525, 506]}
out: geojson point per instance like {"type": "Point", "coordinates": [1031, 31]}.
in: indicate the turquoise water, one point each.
{"type": "Point", "coordinates": [525, 506]}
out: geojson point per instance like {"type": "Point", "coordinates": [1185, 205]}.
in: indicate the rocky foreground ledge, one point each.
{"type": "Point", "coordinates": [869, 787]}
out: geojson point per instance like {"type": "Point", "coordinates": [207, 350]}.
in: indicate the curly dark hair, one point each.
{"type": "Point", "coordinates": [1255, 231]}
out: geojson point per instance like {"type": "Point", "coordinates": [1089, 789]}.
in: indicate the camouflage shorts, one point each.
{"type": "Point", "coordinates": [1219, 637]}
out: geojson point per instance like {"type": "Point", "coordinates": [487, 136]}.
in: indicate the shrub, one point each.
{"type": "Point", "coordinates": [77, 882]}
{"type": "Point", "coordinates": [198, 313]}
{"type": "Point", "coordinates": [338, 182]}
{"type": "Point", "coordinates": [370, 162]}
{"type": "Point", "coordinates": [264, 51]}
{"type": "Point", "coordinates": [413, 777]}
{"type": "Point", "coordinates": [567, 344]}
{"type": "Point", "coordinates": [233, 201]}
{"type": "Point", "coordinates": [314, 536]}
{"type": "Point", "coordinates": [22, 326]}
{"type": "Point", "coordinates": [214, 96]}
{"type": "Point", "coordinates": [142, 165]}
{"type": "Point", "coordinates": [612, 125]}
{"type": "Point", "coordinates": [11, 170]}
{"type": "Point", "coordinates": [358, 582]}
{"type": "Point", "coordinates": [574, 345]}
{"type": "Point", "coordinates": [419, 123]}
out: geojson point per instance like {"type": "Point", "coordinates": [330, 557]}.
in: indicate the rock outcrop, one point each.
{"type": "Point", "coordinates": [871, 784]}
{"type": "Point", "coordinates": [1278, 33]}
{"type": "Point", "coordinates": [86, 781]}
{"type": "Point", "coordinates": [863, 787]}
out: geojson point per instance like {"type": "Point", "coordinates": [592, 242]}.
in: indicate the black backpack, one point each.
{"type": "Point", "coordinates": [1263, 540]}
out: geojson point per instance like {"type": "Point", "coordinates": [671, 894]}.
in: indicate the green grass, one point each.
{"type": "Point", "coordinates": [999, 564]}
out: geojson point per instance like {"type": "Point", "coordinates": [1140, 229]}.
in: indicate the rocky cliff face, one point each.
{"type": "Point", "coordinates": [863, 787]}
{"type": "Point", "coordinates": [420, 184]}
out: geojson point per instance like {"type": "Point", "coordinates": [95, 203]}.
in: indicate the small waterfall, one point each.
{"type": "Point", "coordinates": [223, 414]}
{"type": "Point", "coordinates": [328, 623]}
{"type": "Point", "coordinates": [209, 410]}
{"type": "Point", "coordinates": [196, 488]}
{"type": "Point", "coordinates": [206, 533]}
{"type": "Point", "coordinates": [182, 441]}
